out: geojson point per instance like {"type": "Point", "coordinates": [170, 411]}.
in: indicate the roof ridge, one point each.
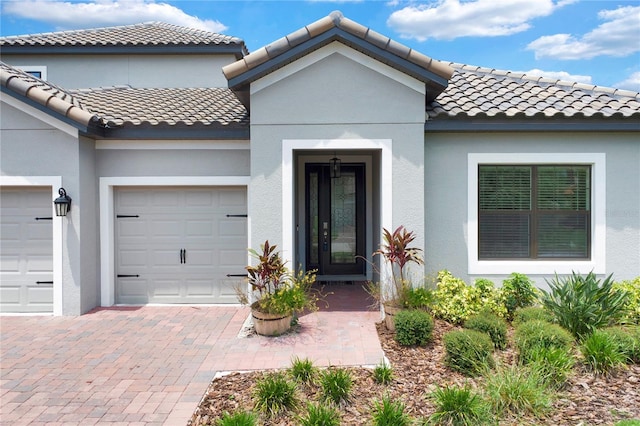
{"type": "Point", "coordinates": [546, 80]}
{"type": "Point", "coordinates": [334, 20]}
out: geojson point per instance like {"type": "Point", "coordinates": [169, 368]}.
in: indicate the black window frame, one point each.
{"type": "Point", "coordinates": [534, 214]}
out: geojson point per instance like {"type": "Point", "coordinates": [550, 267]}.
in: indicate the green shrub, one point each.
{"type": "Point", "coordinates": [419, 298]}
{"type": "Point", "coordinates": [302, 370]}
{"type": "Point", "coordinates": [627, 343]}
{"type": "Point", "coordinates": [468, 351]}
{"type": "Point", "coordinates": [275, 394]}
{"type": "Point", "coordinates": [459, 406]}
{"type": "Point", "coordinates": [516, 391]}
{"type": "Point", "coordinates": [455, 301]}
{"type": "Point", "coordinates": [628, 422]}
{"type": "Point", "coordinates": [602, 353]}
{"type": "Point", "coordinates": [531, 313]}
{"type": "Point", "coordinates": [336, 385]}
{"type": "Point", "coordinates": [517, 291]}
{"type": "Point", "coordinates": [389, 413]}
{"type": "Point", "coordinates": [583, 304]}
{"type": "Point", "coordinates": [320, 415]}
{"type": "Point", "coordinates": [554, 365]}
{"type": "Point", "coordinates": [631, 313]}
{"type": "Point", "coordinates": [535, 334]}
{"type": "Point", "coordinates": [241, 418]}
{"type": "Point", "coordinates": [413, 327]}
{"type": "Point", "coordinates": [383, 373]}
{"type": "Point", "coordinates": [491, 324]}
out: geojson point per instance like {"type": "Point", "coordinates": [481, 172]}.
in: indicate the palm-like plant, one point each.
{"type": "Point", "coordinates": [397, 252]}
{"type": "Point", "coordinates": [583, 304]}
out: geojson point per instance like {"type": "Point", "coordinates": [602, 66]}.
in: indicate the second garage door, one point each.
{"type": "Point", "coordinates": [180, 244]}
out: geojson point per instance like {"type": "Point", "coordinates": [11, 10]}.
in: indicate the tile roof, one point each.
{"type": "Point", "coordinates": [476, 92]}
{"type": "Point", "coordinates": [47, 95]}
{"type": "Point", "coordinates": [155, 34]}
{"type": "Point", "coordinates": [334, 20]}
{"type": "Point", "coordinates": [126, 106]}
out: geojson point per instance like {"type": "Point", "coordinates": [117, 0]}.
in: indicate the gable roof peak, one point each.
{"type": "Point", "coordinates": [336, 27]}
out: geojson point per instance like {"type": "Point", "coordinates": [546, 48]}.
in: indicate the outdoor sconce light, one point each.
{"type": "Point", "coordinates": [62, 203]}
{"type": "Point", "coordinates": [334, 167]}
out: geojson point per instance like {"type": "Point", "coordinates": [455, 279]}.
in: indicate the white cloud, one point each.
{"type": "Point", "coordinates": [450, 19]}
{"type": "Point", "coordinates": [631, 83]}
{"type": "Point", "coordinates": [618, 36]}
{"type": "Point", "coordinates": [68, 15]}
{"type": "Point", "coordinates": [558, 75]}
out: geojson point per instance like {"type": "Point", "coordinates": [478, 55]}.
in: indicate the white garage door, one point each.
{"type": "Point", "coordinates": [26, 250]}
{"type": "Point", "coordinates": [180, 244]}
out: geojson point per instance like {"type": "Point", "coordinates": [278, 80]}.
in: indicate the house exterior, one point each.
{"type": "Point", "coordinates": [180, 149]}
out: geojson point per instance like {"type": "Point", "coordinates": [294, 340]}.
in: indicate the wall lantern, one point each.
{"type": "Point", "coordinates": [62, 203]}
{"type": "Point", "coordinates": [334, 167]}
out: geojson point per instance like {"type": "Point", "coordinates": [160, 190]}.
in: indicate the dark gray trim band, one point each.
{"type": "Point", "coordinates": [548, 125]}
{"type": "Point", "coordinates": [236, 50]}
{"type": "Point", "coordinates": [167, 132]}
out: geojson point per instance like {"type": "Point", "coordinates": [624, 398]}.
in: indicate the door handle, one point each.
{"type": "Point", "coordinates": [183, 256]}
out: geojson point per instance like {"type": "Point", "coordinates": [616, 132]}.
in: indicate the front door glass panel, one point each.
{"type": "Point", "coordinates": [343, 219]}
{"type": "Point", "coordinates": [335, 216]}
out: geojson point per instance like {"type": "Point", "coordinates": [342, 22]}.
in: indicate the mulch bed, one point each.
{"type": "Point", "coordinates": [586, 400]}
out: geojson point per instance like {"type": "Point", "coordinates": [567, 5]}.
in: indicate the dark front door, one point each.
{"type": "Point", "coordinates": [335, 213]}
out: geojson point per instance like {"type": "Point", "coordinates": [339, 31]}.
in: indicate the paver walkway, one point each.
{"type": "Point", "coordinates": [151, 365]}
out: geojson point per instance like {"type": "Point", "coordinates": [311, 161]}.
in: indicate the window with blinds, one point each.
{"type": "Point", "coordinates": [534, 212]}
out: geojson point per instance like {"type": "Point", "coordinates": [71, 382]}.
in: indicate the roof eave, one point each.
{"type": "Point", "coordinates": [586, 124]}
{"type": "Point", "coordinates": [176, 132]}
{"type": "Point", "coordinates": [238, 50]}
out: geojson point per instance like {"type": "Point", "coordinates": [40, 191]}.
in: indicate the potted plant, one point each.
{"type": "Point", "coordinates": [280, 292]}
{"type": "Point", "coordinates": [396, 252]}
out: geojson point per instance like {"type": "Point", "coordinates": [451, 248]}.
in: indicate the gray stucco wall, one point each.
{"type": "Point", "coordinates": [172, 162]}
{"type": "Point", "coordinates": [89, 71]}
{"type": "Point", "coordinates": [32, 148]}
{"type": "Point", "coordinates": [336, 98]}
{"type": "Point", "coordinates": [446, 193]}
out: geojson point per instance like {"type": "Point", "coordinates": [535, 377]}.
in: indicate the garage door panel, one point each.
{"type": "Point", "coordinates": [133, 258]}
{"type": "Point", "coordinates": [202, 287]}
{"type": "Point", "coordinates": [133, 289]}
{"type": "Point", "coordinates": [39, 295]}
{"type": "Point", "coordinates": [167, 259]}
{"type": "Point", "coordinates": [165, 288]}
{"type": "Point", "coordinates": [9, 264]}
{"type": "Point", "coordinates": [193, 219]}
{"type": "Point", "coordinates": [26, 245]}
{"type": "Point", "coordinates": [199, 229]}
{"type": "Point", "coordinates": [39, 264]}
{"type": "Point", "coordinates": [132, 229]}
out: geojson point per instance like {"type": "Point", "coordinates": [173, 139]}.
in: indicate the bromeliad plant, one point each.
{"type": "Point", "coordinates": [396, 251]}
{"type": "Point", "coordinates": [279, 290]}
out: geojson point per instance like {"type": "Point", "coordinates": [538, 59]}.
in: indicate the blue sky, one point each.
{"type": "Point", "coordinates": [590, 41]}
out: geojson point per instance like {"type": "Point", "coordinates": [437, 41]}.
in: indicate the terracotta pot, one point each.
{"type": "Point", "coordinates": [270, 324]}
{"type": "Point", "coordinates": [390, 312]}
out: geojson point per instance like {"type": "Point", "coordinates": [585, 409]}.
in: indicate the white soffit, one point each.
{"type": "Point", "coordinates": [348, 53]}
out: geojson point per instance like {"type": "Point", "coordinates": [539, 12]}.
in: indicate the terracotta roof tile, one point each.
{"type": "Point", "coordinates": [334, 20]}
{"type": "Point", "coordinates": [145, 34]}
{"type": "Point", "coordinates": [476, 92]}
{"type": "Point", "coordinates": [46, 94]}
{"type": "Point", "coordinates": [126, 106]}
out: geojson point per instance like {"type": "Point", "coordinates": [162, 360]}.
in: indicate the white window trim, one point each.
{"type": "Point", "coordinates": [107, 210]}
{"type": "Point", "coordinates": [597, 263]}
{"type": "Point", "coordinates": [289, 146]}
{"type": "Point", "coordinates": [42, 69]}
{"type": "Point", "coordinates": [58, 225]}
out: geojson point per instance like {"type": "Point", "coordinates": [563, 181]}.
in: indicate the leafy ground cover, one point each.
{"type": "Point", "coordinates": [587, 398]}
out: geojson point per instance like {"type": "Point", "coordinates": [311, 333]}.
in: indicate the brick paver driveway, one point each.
{"type": "Point", "coordinates": [151, 365]}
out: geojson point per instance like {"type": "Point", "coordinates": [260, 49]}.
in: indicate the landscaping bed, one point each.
{"type": "Point", "coordinates": [586, 399]}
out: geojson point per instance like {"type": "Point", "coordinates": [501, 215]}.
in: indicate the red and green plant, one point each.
{"type": "Point", "coordinates": [397, 252]}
